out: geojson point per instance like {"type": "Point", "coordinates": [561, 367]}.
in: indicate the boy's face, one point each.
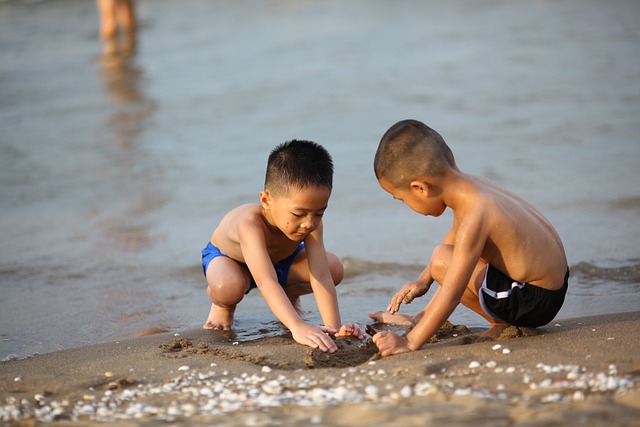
{"type": "Point", "coordinates": [416, 196]}
{"type": "Point", "coordinates": [298, 212]}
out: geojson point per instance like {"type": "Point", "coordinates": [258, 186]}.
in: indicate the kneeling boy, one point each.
{"type": "Point", "coordinates": [276, 245]}
{"type": "Point", "coordinates": [501, 258]}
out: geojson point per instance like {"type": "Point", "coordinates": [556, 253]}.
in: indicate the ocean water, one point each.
{"type": "Point", "coordinates": [116, 167]}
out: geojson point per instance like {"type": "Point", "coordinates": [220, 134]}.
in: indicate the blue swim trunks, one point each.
{"type": "Point", "coordinates": [282, 268]}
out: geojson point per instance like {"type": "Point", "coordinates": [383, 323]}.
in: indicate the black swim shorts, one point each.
{"type": "Point", "coordinates": [520, 304]}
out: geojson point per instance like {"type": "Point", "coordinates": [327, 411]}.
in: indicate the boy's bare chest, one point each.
{"type": "Point", "coordinates": [279, 249]}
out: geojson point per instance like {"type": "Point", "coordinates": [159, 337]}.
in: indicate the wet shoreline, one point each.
{"type": "Point", "coordinates": [116, 166]}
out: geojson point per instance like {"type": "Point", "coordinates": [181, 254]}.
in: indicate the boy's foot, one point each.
{"type": "Point", "coordinates": [220, 318]}
{"type": "Point", "coordinates": [494, 332]}
{"type": "Point", "coordinates": [392, 319]}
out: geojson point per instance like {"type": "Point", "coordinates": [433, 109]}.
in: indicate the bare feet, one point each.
{"type": "Point", "coordinates": [493, 333]}
{"type": "Point", "coordinates": [392, 319]}
{"type": "Point", "coordinates": [220, 318]}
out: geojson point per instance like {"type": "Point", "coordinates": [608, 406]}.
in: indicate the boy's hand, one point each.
{"type": "Point", "coordinates": [407, 294]}
{"type": "Point", "coordinates": [315, 337]}
{"type": "Point", "coordinates": [350, 330]}
{"type": "Point", "coordinates": [389, 343]}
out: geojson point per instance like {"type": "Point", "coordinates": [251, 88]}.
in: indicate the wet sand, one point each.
{"type": "Point", "coordinates": [583, 371]}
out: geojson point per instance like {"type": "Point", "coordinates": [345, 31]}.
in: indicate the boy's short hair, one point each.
{"type": "Point", "coordinates": [298, 164]}
{"type": "Point", "coordinates": [410, 149]}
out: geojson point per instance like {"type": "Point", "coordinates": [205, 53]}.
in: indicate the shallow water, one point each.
{"type": "Point", "coordinates": [115, 168]}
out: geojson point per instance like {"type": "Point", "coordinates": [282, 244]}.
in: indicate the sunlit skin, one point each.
{"type": "Point", "coordinates": [260, 235]}
{"type": "Point", "coordinates": [490, 225]}
{"type": "Point", "coordinates": [114, 15]}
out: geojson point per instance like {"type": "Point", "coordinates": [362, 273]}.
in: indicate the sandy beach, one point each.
{"type": "Point", "coordinates": [115, 168]}
{"type": "Point", "coordinates": [583, 371]}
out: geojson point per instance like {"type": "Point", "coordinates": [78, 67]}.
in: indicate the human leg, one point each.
{"type": "Point", "coordinates": [114, 14]}
{"type": "Point", "coordinates": [440, 261]}
{"type": "Point", "coordinates": [227, 282]}
{"type": "Point", "coordinates": [106, 13]}
{"type": "Point", "coordinates": [125, 13]}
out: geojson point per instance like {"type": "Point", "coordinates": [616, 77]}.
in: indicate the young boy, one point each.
{"type": "Point", "coordinates": [276, 245]}
{"type": "Point", "coordinates": [501, 258]}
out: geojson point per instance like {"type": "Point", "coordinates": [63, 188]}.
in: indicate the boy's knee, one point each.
{"type": "Point", "coordinates": [440, 259]}
{"type": "Point", "coordinates": [225, 294]}
{"type": "Point", "coordinates": [336, 268]}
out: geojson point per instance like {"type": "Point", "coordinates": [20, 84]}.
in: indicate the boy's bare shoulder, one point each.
{"type": "Point", "coordinates": [241, 217]}
{"type": "Point", "coordinates": [247, 212]}
{"type": "Point", "coordinates": [478, 199]}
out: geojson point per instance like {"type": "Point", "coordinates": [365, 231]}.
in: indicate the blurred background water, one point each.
{"type": "Point", "coordinates": [116, 167]}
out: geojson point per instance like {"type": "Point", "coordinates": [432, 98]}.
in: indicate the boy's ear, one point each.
{"type": "Point", "coordinates": [421, 188]}
{"type": "Point", "coordinates": [265, 199]}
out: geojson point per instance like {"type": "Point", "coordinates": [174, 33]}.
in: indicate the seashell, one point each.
{"type": "Point", "coordinates": [206, 391]}
{"type": "Point", "coordinates": [371, 392]}
{"type": "Point", "coordinates": [87, 409]}
{"type": "Point", "coordinates": [272, 387]}
{"type": "Point", "coordinates": [406, 391]}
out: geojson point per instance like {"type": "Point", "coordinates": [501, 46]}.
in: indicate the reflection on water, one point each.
{"type": "Point", "coordinates": [124, 80]}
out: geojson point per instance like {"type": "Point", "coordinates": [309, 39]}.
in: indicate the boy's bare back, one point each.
{"type": "Point", "coordinates": [517, 239]}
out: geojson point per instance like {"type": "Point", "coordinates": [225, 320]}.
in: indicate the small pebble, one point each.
{"type": "Point", "coordinates": [506, 351]}
{"type": "Point", "coordinates": [496, 347]}
{"type": "Point", "coordinates": [474, 365]}
{"type": "Point", "coordinates": [406, 392]}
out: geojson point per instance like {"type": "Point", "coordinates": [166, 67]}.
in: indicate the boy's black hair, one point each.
{"type": "Point", "coordinates": [298, 164]}
{"type": "Point", "coordinates": [411, 149]}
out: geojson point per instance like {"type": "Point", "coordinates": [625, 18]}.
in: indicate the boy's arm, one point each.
{"type": "Point", "coordinates": [469, 242]}
{"type": "Point", "coordinates": [470, 239]}
{"type": "Point", "coordinates": [324, 290]}
{"type": "Point", "coordinates": [254, 251]}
